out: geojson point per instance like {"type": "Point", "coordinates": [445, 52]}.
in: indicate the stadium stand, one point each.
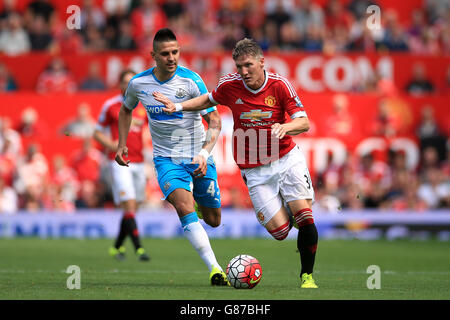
{"type": "Point", "coordinates": [378, 99]}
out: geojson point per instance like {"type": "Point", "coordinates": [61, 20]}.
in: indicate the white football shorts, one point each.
{"type": "Point", "coordinates": [128, 182]}
{"type": "Point", "coordinates": [272, 185]}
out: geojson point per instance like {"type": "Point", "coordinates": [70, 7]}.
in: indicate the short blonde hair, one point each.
{"type": "Point", "coordinates": [247, 47]}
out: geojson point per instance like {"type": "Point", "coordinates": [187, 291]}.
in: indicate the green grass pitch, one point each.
{"type": "Point", "coordinates": [33, 268]}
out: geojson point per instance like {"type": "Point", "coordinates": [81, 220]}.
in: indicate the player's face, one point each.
{"type": "Point", "coordinates": [251, 70]}
{"type": "Point", "coordinates": [166, 55]}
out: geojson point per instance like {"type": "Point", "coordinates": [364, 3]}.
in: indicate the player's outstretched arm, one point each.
{"type": "Point", "coordinates": [125, 116]}
{"type": "Point", "coordinates": [212, 134]}
{"type": "Point", "coordinates": [195, 104]}
{"type": "Point", "coordinates": [296, 126]}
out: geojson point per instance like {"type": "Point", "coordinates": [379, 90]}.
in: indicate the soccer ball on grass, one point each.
{"type": "Point", "coordinates": [244, 272]}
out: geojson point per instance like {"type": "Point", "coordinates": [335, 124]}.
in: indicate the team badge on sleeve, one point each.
{"type": "Point", "coordinates": [298, 102]}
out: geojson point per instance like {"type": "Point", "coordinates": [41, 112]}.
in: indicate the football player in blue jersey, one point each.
{"type": "Point", "coordinates": [181, 147]}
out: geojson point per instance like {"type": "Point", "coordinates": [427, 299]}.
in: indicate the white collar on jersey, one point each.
{"type": "Point", "coordinates": [260, 88]}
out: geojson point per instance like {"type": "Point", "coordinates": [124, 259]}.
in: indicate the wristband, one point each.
{"type": "Point", "coordinates": [178, 107]}
{"type": "Point", "coordinates": [204, 153]}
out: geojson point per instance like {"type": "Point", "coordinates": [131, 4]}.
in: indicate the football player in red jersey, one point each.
{"type": "Point", "coordinates": [128, 183]}
{"type": "Point", "coordinates": [272, 165]}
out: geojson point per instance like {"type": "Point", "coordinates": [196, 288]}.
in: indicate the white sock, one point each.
{"type": "Point", "coordinates": [199, 239]}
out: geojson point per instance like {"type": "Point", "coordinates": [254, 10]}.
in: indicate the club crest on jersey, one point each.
{"type": "Point", "coordinates": [270, 101]}
{"type": "Point", "coordinates": [256, 115]}
{"type": "Point", "coordinates": [180, 93]}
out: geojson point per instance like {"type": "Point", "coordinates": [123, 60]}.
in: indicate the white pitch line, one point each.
{"type": "Point", "coordinates": [117, 271]}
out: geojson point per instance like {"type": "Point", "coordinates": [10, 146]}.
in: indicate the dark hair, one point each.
{"type": "Point", "coordinates": [247, 47]}
{"type": "Point", "coordinates": [124, 73]}
{"type": "Point", "coordinates": [163, 35]}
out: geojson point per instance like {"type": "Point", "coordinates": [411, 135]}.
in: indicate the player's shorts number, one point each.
{"type": "Point", "coordinates": [211, 189]}
{"type": "Point", "coordinates": [308, 181]}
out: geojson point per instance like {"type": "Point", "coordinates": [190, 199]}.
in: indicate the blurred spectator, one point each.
{"type": "Point", "coordinates": [409, 199]}
{"type": "Point", "coordinates": [376, 196]}
{"type": "Point", "coordinates": [14, 39]}
{"type": "Point", "coordinates": [7, 82]}
{"type": "Point", "coordinates": [272, 6]}
{"type": "Point", "coordinates": [231, 34]}
{"type": "Point", "coordinates": [290, 38]}
{"type": "Point", "coordinates": [41, 38]}
{"type": "Point", "coordinates": [87, 162]}
{"type": "Point", "coordinates": [10, 136]}
{"type": "Point", "coordinates": [89, 196]}
{"type": "Point", "coordinates": [435, 9]}
{"type": "Point", "coordinates": [429, 160]}
{"type": "Point", "coordinates": [279, 16]}
{"type": "Point", "coordinates": [92, 15]}
{"type": "Point", "coordinates": [8, 198]}
{"type": "Point", "coordinates": [341, 123]}
{"type": "Point", "coordinates": [94, 41]}
{"type": "Point", "coordinates": [435, 190]}
{"type": "Point", "coordinates": [419, 84]}
{"type": "Point", "coordinates": [124, 40]}
{"type": "Point", "coordinates": [395, 39]}
{"type": "Point", "coordinates": [307, 13]}
{"type": "Point", "coordinates": [68, 41]}
{"type": "Point", "coordinates": [113, 7]}
{"type": "Point", "coordinates": [313, 41]}
{"type": "Point", "coordinates": [56, 78]}
{"type": "Point", "coordinates": [65, 185]}
{"type": "Point", "coordinates": [418, 23]}
{"type": "Point", "coordinates": [41, 8]}
{"type": "Point", "coordinates": [83, 125]}
{"type": "Point", "coordinates": [253, 18]}
{"type": "Point", "coordinates": [173, 8]}
{"type": "Point", "coordinates": [31, 128]}
{"type": "Point", "coordinates": [146, 19]}
{"type": "Point", "coordinates": [8, 162]}
{"type": "Point", "coordinates": [386, 123]}
{"type": "Point", "coordinates": [32, 176]}
{"type": "Point", "coordinates": [336, 16]}
{"type": "Point", "coordinates": [429, 133]}
{"type": "Point", "coordinates": [370, 170]}
{"type": "Point", "coordinates": [116, 11]}
{"type": "Point", "coordinates": [9, 7]}
{"type": "Point", "coordinates": [94, 79]}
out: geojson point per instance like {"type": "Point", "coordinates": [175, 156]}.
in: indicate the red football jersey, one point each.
{"type": "Point", "coordinates": [254, 113]}
{"type": "Point", "coordinates": [109, 118]}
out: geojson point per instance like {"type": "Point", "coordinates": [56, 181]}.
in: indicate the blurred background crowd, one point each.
{"type": "Point", "coordinates": [211, 26]}
{"type": "Point", "coordinates": [30, 181]}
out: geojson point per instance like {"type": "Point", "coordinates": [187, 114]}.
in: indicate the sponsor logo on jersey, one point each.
{"type": "Point", "coordinates": [147, 93]}
{"type": "Point", "coordinates": [256, 115]}
{"type": "Point", "coordinates": [157, 113]}
{"type": "Point", "coordinates": [270, 101]}
{"type": "Point", "coordinates": [239, 101]}
{"type": "Point", "coordinates": [180, 93]}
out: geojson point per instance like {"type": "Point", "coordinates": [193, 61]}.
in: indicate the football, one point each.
{"type": "Point", "coordinates": [244, 272]}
